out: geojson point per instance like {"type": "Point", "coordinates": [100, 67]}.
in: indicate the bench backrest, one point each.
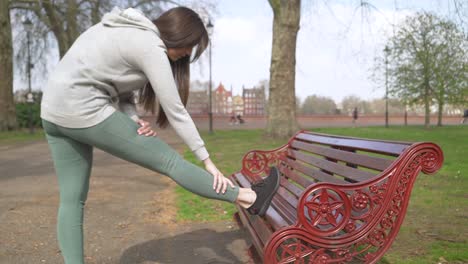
{"type": "Point", "coordinates": [314, 157]}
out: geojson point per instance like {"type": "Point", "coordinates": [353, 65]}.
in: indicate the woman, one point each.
{"type": "Point", "coordinates": [94, 82]}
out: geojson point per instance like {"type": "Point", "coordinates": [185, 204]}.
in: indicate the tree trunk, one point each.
{"type": "Point", "coordinates": [439, 115]}
{"type": "Point", "coordinates": [440, 102]}
{"type": "Point", "coordinates": [56, 27]}
{"type": "Point", "coordinates": [73, 31]}
{"type": "Point", "coordinates": [7, 106]}
{"type": "Point", "coordinates": [282, 100]}
{"type": "Point", "coordinates": [95, 15]}
{"type": "Point", "coordinates": [427, 110]}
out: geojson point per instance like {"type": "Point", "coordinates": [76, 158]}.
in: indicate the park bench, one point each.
{"type": "Point", "coordinates": [341, 199]}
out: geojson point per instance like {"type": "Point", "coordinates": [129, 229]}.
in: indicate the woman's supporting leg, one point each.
{"type": "Point", "coordinates": [72, 162]}
{"type": "Point", "coordinates": [118, 136]}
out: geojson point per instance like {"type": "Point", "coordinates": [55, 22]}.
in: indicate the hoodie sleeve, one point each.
{"type": "Point", "coordinates": [146, 55]}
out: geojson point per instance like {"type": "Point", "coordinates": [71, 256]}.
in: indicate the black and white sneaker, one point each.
{"type": "Point", "coordinates": [265, 190]}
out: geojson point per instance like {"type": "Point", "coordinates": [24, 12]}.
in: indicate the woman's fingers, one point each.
{"type": "Point", "coordinates": [230, 182]}
{"type": "Point", "coordinates": [215, 181]}
{"type": "Point", "coordinates": [145, 129]}
{"type": "Point", "coordinates": [220, 183]}
{"type": "Point", "coordinates": [225, 184]}
{"type": "Point", "coordinates": [142, 130]}
{"type": "Point", "coordinates": [142, 123]}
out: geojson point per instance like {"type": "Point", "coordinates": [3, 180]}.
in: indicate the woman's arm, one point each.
{"type": "Point", "coordinates": [142, 52]}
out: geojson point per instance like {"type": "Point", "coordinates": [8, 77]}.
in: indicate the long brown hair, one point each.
{"type": "Point", "coordinates": [179, 27]}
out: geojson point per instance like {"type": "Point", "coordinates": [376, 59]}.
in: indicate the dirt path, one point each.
{"type": "Point", "coordinates": [129, 215]}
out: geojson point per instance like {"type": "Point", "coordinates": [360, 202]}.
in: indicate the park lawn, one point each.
{"type": "Point", "coordinates": [435, 228]}
{"type": "Point", "coordinates": [12, 137]}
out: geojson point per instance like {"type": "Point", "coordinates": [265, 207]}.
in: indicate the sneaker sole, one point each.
{"type": "Point", "coordinates": [270, 197]}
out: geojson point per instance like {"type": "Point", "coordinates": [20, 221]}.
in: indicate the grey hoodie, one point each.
{"type": "Point", "coordinates": [98, 74]}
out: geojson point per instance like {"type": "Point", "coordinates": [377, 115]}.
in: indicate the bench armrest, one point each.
{"type": "Point", "coordinates": [256, 163]}
{"type": "Point", "coordinates": [331, 208]}
{"type": "Point", "coordinates": [354, 222]}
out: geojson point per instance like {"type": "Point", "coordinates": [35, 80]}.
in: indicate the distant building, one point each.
{"type": "Point", "coordinates": [251, 102]}
{"type": "Point", "coordinates": [222, 101]}
{"type": "Point", "coordinates": [238, 105]}
{"type": "Point", "coordinates": [254, 101]}
{"type": "Point", "coordinates": [198, 102]}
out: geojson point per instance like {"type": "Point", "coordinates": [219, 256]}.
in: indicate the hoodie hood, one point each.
{"type": "Point", "coordinates": [129, 17]}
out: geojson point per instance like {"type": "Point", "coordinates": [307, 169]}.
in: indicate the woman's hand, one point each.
{"type": "Point", "coordinates": [145, 129]}
{"type": "Point", "coordinates": [220, 183]}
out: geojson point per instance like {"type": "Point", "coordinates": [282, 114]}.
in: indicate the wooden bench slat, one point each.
{"type": "Point", "coordinates": [291, 187]}
{"type": "Point", "coordinates": [260, 226]}
{"type": "Point", "coordinates": [314, 173]}
{"type": "Point", "coordinates": [244, 182]}
{"type": "Point", "coordinates": [288, 172]}
{"type": "Point", "coordinates": [375, 163]}
{"type": "Point", "coordinates": [283, 209]}
{"type": "Point", "coordinates": [275, 219]}
{"type": "Point", "coordinates": [391, 148]}
{"type": "Point", "coordinates": [336, 168]}
{"type": "Point", "coordinates": [255, 239]}
{"type": "Point", "coordinates": [290, 198]}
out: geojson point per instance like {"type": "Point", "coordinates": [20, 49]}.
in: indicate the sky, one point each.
{"type": "Point", "coordinates": [336, 45]}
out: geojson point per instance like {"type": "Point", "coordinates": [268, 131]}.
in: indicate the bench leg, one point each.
{"type": "Point", "coordinates": [237, 219]}
{"type": "Point", "coordinates": [253, 254]}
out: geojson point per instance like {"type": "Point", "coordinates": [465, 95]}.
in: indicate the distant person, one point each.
{"type": "Point", "coordinates": [232, 120]}
{"type": "Point", "coordinates": [240, 120]}
{"type": "Point", "coordinates": [88, 103]}
{"type": "Point", "coordinates": [355, 115]}
{"type": "Point", "coordinates": [465, 117]}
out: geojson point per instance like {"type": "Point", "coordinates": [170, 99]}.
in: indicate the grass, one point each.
{"type": "Point", "coordinates": [13, 137]}
{"type": "Point", "coordinates": [226, 149]}
{"type": "Point", "coordinates": [435, 229]}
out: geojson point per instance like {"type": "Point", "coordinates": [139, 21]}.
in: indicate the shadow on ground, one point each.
{"type": "Point", "coordinates": [200, 246]}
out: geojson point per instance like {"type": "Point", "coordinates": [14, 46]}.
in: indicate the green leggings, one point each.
{"type": "Point", "coordinates": [72, 153]}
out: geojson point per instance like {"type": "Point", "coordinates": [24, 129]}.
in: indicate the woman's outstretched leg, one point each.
{"type": "Point", "coordinates": [118, 136]}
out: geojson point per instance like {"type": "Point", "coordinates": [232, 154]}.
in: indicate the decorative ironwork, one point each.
{"type": "Point", "coordinates": [256, 163]}
{"type": "Point", "coordinates": [355, 222]}
{"type": "Point", "coordinates": [326, 210]}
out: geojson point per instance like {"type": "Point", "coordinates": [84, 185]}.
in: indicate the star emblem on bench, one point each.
{"type": "Point", "coordinates": [325, 211]}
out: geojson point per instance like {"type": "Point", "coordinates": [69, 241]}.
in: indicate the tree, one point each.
{"type": "Point", "coordinates": [451, 68]}
{"type": "Point", "coordinates": [7, 107]}
{"type": "Point", "coordinates": [350, 102]}
{"type": "Point", "coordinates": [427, 63]}
{"type": "Point", "coordinates": [281, 122]}
{"type": "Point", "coordinates": [66, 20]}
{"type": "Point", "coordinates": [377, 106]}
{"type": "Point", "coordinates": [318, 105]}
{"type": "Point", "coordinates": [286, 17]}
{"type": "Point", "coordinates": [298, 105]}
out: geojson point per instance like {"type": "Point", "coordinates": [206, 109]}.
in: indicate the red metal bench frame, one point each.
{"type": "Point", "coordinates": [338, 223]}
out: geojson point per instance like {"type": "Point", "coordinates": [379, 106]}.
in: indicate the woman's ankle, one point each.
{"type": "Point", "coordinates": [246, 197]}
